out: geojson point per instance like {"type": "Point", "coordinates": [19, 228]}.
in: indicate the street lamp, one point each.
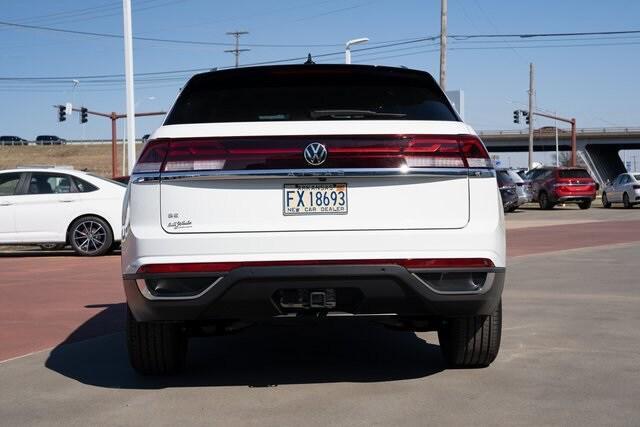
{"type": "Point", "coordinates": [347, 48]}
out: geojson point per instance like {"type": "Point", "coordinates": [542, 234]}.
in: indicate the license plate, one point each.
{"type": "Point", "coordinates": [314, 199]}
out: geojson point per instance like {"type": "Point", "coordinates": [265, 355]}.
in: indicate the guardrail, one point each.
{"type": "Point", "coordinates": [584, 131]}
{"type": "Point", "coordinates": [69, 142]}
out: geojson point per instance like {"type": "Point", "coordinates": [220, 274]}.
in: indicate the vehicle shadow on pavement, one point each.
{"type": "Point", "coordinates": [38, 253]}
{"type": "Point", "coordinates": [332, 350]}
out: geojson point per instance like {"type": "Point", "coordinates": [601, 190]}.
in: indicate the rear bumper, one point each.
{"type": "Point", "coordinates": [252, 293]}
{"type": "Point", "coordinates": [574, 196]}
{"type": "Point", "coordinates": [510, 200]}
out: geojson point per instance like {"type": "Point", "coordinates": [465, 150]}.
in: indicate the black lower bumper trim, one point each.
{"type": "Point", "coordinates": [251, 293]}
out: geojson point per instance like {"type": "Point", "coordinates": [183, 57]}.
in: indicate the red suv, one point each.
{"type": "Point", "coordinates": [550, 186]}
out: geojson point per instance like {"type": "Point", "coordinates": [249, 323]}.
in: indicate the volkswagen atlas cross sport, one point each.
{"type": "Point", "coordinates": [312, 191]}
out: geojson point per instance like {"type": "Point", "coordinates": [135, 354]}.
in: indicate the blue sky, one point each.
{"type": "Point", "coordinates": [598, 84]}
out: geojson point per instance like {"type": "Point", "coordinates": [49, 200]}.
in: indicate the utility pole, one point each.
{"type": "Point", "coordinates": [531, 108]}
{"type": "Point", "coordinates": [574, 144]}
{"type": "Point", "coordinates": [443, 43]}
{"type": "Point", "coordinates": [128, 70]}
{"type": "Point", "coordinates": [555, 126]}
{"type": "Point", "coordinates": [237, 50]}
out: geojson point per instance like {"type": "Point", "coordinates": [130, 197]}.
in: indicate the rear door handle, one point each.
{"type": "Point", "coordinates": [66, 201]}
{"type": "Point", "coordinates": [5, 203]}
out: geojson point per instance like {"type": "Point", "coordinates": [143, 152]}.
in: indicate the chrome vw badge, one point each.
{"type": "Point", "coordinates": [315, 153]}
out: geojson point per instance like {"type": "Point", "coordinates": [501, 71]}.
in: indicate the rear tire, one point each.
{"type": "Point", "coordinates": [605, 201]}
{"type": "Point", "coordinates": [156, 348]}
{"type": "Point", "coordinates": [90, 236]}
{"type": "Point", "coordinates": [544, 202]}
{"type": "Point", "coordinates": [471, 342]}
{"type": "Point", "coordinates": [585, 205]}
{"type": "Point", "coordinates": [625, 201]}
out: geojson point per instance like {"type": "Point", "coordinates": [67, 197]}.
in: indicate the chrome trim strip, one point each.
{"type": "Point", "coordinates": [485, 288]}
{"type": "Point", "coordinates": [482, 173]}
{"type": "Point", "coordinates": [146, 178]}
{"type": "Point", "coordinates": [142, 286]}
{"type": "Point", "coordinates": [339, 314]}
{"type": "Point", "coordinates": [573, 184]}
{"type": "Point", "coordinates": [312, 173]}
{"type": "Point", "coordinates": [325, 173]}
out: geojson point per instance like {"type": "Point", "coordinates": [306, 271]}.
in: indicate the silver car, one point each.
{"type": "Point", "coordinates": [624, 189]}
{"type": "Point", "coordinates": [522, 189]}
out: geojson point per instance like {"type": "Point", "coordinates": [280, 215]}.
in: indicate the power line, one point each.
{"type": "Point", "coordinates": [89, 13]}
{"type": "Point", "coordinates": [382, 51]}
{"type": "Point", "coordinates": [530, 35]}
{"type": "Point", "coordinates": [201, 42]}
{"type": "Point", "coordinates": [154, 39]}
{"type": "Point", "coordinates": [66, 79]}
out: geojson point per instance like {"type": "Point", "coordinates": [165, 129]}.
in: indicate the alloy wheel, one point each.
{"type": "Point", "coordinates": [89, 236]}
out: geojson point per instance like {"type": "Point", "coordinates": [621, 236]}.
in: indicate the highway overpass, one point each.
{"type": "Point", "coordinates": [598, 147]}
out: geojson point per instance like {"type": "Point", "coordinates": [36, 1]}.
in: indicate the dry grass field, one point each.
{"type": "Point", "coordinates": [94, 158]}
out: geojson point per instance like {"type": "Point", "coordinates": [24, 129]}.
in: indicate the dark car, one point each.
{"type": "Point", "coordinates": [122, 179]}
{"type": "Point", "coordinates": [552, 185]}
{"type": "Point", "coordinates": [50, 140]}
{"type": "Point", "coordinates": [12, 140]}
{"type": "Point", "coordinates": [508, 191]}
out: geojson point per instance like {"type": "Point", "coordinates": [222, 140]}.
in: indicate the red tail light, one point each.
{"type": "Point", "coordinates": [360, 151]}
{"type": "Point", "coordinates": [225, 267]}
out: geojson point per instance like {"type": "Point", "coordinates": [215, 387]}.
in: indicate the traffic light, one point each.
{"type": "Point", "coordinates": [84, 115]}
{"type": "Point", "coordinates": [62, 113]}
{"type": "Point", "coordinates": [516, 116]}
{"type": "Point", "coordinates": [526, 115]}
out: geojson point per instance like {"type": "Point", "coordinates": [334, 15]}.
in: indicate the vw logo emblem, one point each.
{"type": "Point", "coordinates": [315, 153]}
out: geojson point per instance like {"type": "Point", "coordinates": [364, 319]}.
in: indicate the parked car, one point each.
{"type": "Point", "coordinates": [521, 172]}
{"type": "Point", "coordinates": [50, 140]}
{"type": "Point", "coordinates": [12, 140]}
{"type": "Point", "coordinates": [508, 190]}
{"type": "Point", "coordinates": [124, 179]}
{"type": "Point", "coordinates": [54, 207]}
{"type": "Point", "coordinates": [553, 185]}
{"type": "Point", "coordinates": [317, 191]}
{"type": "Point", "coordinates": [523, 189]}
{"type": "Point", "coordinates": [624, 189]}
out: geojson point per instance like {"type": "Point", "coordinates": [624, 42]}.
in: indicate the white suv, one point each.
{"type": "Point", "coordinates": [312, 190]}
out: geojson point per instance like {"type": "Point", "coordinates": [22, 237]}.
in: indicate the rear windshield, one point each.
{"type": "Point", "coordinates": [504, 178]}
{"type": "Point", "coordinates": [312, 92]}
{"type": "Point", "coordinates": [514, 176]}
{"type": "Point", "coordinates": [573, 173]}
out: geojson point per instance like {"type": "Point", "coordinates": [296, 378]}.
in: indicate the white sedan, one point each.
{"type": "Point", "coordinates": [625, 188]}
{"type": "Point", "coordinates": [55, 207]}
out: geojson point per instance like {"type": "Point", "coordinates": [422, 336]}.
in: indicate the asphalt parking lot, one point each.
{"type": "Point", "coordinates": [570, 353]}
